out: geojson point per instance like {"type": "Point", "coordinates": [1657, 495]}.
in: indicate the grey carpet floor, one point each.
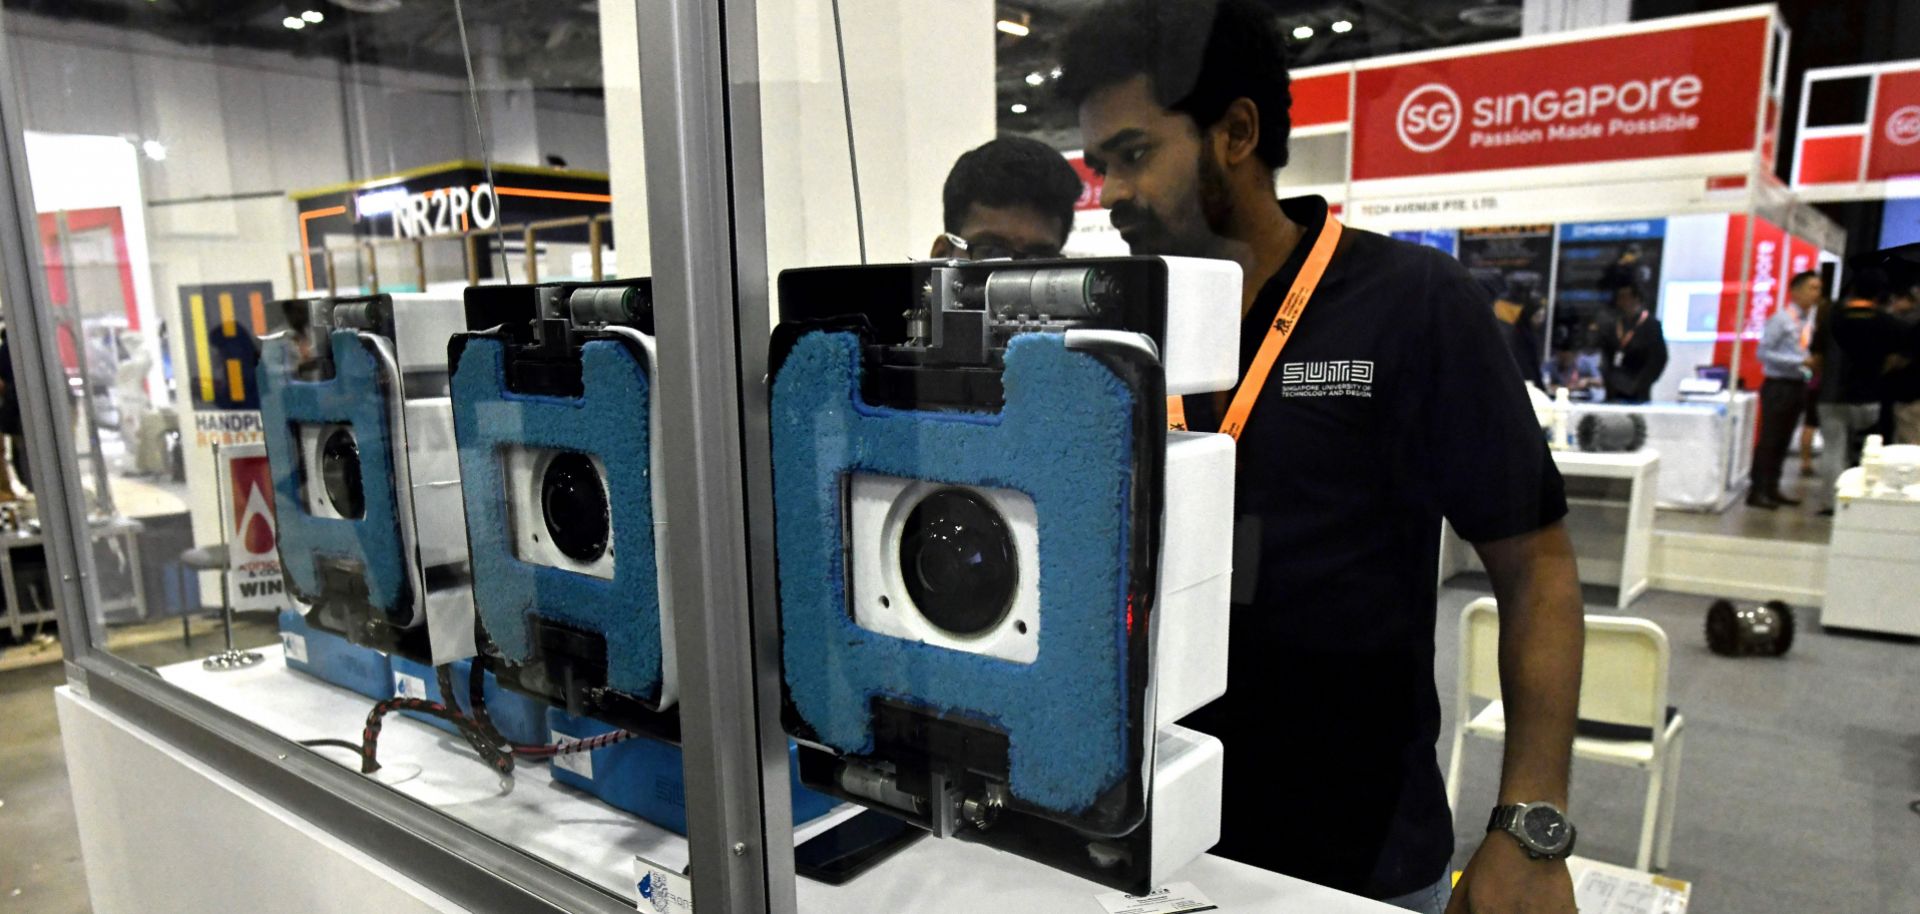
{"type": "Point", "coordinates": [1793, 799]}
{"type": "Point", "coordinates": [1796, 779]}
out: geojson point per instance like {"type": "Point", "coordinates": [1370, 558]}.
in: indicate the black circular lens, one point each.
{"type": "Point", "coordinates": [340, 473]}
{"type": "Point", "coordinates": [958, 559]}
{"type": "Point", "coordinates": [574, 502]}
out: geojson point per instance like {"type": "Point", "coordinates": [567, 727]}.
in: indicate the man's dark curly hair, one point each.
{"type": "Point", "coordinates": [1199, 56]}
{"type": "Point", "coordinates": [1012, 171]}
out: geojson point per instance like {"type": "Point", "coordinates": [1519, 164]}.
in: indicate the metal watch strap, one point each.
{"type": "Point", "coordinates": [1503, 817]}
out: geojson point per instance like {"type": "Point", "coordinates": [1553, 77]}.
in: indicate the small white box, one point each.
{"type": "Point", "coordinates": [1189, 768]}
{"type": "Point", "coordinates": [1196, 576]}
{"type": "Point", "coordinates": [1203, 325]}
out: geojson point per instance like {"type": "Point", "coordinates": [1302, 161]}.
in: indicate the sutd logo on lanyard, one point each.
{"type": "Point", "coordinates": [1429, 117]}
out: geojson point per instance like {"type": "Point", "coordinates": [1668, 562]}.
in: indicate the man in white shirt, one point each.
{"type": "Point", "coordinates": [1783, 397]}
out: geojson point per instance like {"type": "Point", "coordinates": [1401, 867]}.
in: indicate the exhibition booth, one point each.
{"type": "Point", "coordinates": [1486, 153]}
{"type": "Point", "coordinates": [1543, 163]}
{"type": "Point", "coordinates": [613, 533]}
{"type": "Point", "coordinates": [1859, 146]}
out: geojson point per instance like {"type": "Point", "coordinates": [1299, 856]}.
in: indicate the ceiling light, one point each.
{"type": "Point", "coordinates": [1016, 29]}
{"type": "Point", "coordinates": [1034, 79]}
{"type": "Point", "coordinates": [294, 22]}
{"type": "Point", "coordinates": [1018, 108]}
{"type": "Point", "coordinates": [1303, 32]}
{"type": "Point", "coordinates": [155, 150]}
{"type": "Point", "coordinates": [1342, 26]}
{"type": "Point", "coordinates": [314, 16]}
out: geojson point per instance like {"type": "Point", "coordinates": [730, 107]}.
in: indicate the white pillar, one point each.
{"type": "Point", "coordinates": [626, 139]}
{"type": "Point", "coordinates": [921, 80]}
{"type": "Point", "coordinates": [1538, 17]}
{"type": "Point", "coordinates": [511, 120]}
{"type": "Point", "coordinates": [920, 75]}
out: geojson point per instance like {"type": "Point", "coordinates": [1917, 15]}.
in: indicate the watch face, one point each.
{"type": "Point", "coordinates": [1544, 827]}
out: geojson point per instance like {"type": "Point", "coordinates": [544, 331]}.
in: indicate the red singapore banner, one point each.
{"type": "Point", "coordinates": [1677, 91]}
{"type": "Point", "coordinates": [1895, 129]}
{"type": "Point", "coordinates": [1321, 99]}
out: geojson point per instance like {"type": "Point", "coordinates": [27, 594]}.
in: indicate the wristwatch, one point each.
{"type": "Point", "coordinates": [1541, 828]}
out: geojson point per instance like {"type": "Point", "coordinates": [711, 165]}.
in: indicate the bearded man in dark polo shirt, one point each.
{"type": "Point", "coordinates": [1391, 402]}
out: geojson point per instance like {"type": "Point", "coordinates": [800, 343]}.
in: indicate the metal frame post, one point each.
{"type": "Point", "coordinates": [446, 857]}
{"type": "Point", "coordinates": [32, 333]}
{"type": "Point", "coordinates": [707, 232]}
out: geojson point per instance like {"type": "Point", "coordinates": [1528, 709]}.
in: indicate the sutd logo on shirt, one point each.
{"type": "Point", "coordinates": [1338, 378]}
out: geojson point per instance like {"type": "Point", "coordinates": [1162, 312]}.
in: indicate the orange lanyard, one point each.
{"type": "Point", "coordinates": [1621, 328]}
{"type": "Point", "coordinates": [1282, 329]}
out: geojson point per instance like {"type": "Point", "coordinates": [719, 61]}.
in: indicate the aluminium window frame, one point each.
{"type": "Point", "coordinates": [707, 227]}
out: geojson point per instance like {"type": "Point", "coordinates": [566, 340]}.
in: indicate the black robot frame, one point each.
{"type": "Point", "coordinates": [943, 764]}
{"type": "Point", "coordinates": [342, 606]}
{"type": "Point", "coordinates": [543, 357]}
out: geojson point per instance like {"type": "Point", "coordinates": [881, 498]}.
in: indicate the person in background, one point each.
{"type": "Point", "coordinates": [1816, 357]}
{"type": "Point", "coordinates": [1903, 367]}
{"type": "Point", "coordinates": [1184, 108]}
{"type": "Point", "coordinates": [1512, 317]}
{"type": "Point", "coordinates": [1858, 341]}
{"type": "Point", "coordinates": [1783, 396]}
{"type": "Point", "coordinates": [1634, 347]}
{"type": "Point", "coordinates": [1012, 197]}
{"type": "Point", "coordinates": [1520, 320]}
{"type": "Point", "coordinates": [10, 422]}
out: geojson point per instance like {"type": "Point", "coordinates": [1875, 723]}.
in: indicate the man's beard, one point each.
{"type": "Point", "coordinates": [1205, 231]}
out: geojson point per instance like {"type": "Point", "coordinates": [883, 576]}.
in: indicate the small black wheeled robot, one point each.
{"type": "Point", "coordinates": [1748, 629]}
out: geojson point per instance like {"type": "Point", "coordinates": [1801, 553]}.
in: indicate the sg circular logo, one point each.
{"type": "Point", "coordinates": [1903, 126]}
{"type": "Point", "coordinates": [1429, 117]}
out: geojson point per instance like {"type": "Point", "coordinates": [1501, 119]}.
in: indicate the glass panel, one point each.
{"type": "Point", "coordinates": [1008, 524]}
{"type": "Point", "coordinates": [362, 385]}
{"type": "Point", "coordinates": [980, 561]}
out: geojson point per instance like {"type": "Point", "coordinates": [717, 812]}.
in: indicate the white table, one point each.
{"type": "Point", "coordinates": [1707, 446]}
{"type": "Point", "coordinates": [112, 760]}
{"type": "Point", "coordinates": [1873, 565]}
{"type": "Point", "coordinates": [1610, 501]}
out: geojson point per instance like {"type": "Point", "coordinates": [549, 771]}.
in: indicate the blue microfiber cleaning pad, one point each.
{"type": "Point", "coordinates": [1065, 438]}
{"type": "Point", "coordinates": [609, 422]}
{"type": "Point", "coordinates": [331, 658]}
{"type": "Point", "coordinates": [518, 718]}
{"type": "Point", "coordinates": [646, 777]}
{"type": "Point", "coordinates": [352, 397]}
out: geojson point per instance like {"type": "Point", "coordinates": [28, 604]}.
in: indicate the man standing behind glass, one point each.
{"type": "Point", "coordinates": [1783, 397]}
{"type": "Point", "coordinates": [1184, 108]}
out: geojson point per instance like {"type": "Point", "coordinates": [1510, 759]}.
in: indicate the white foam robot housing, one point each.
{"type": "Point", "coordinates": [935, 341]}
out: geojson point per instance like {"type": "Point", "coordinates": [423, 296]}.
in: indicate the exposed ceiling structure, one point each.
{"type": "Point", "coordinates": [1321, 32]}
{"type": "Point", "coordinates": [552, 44]}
